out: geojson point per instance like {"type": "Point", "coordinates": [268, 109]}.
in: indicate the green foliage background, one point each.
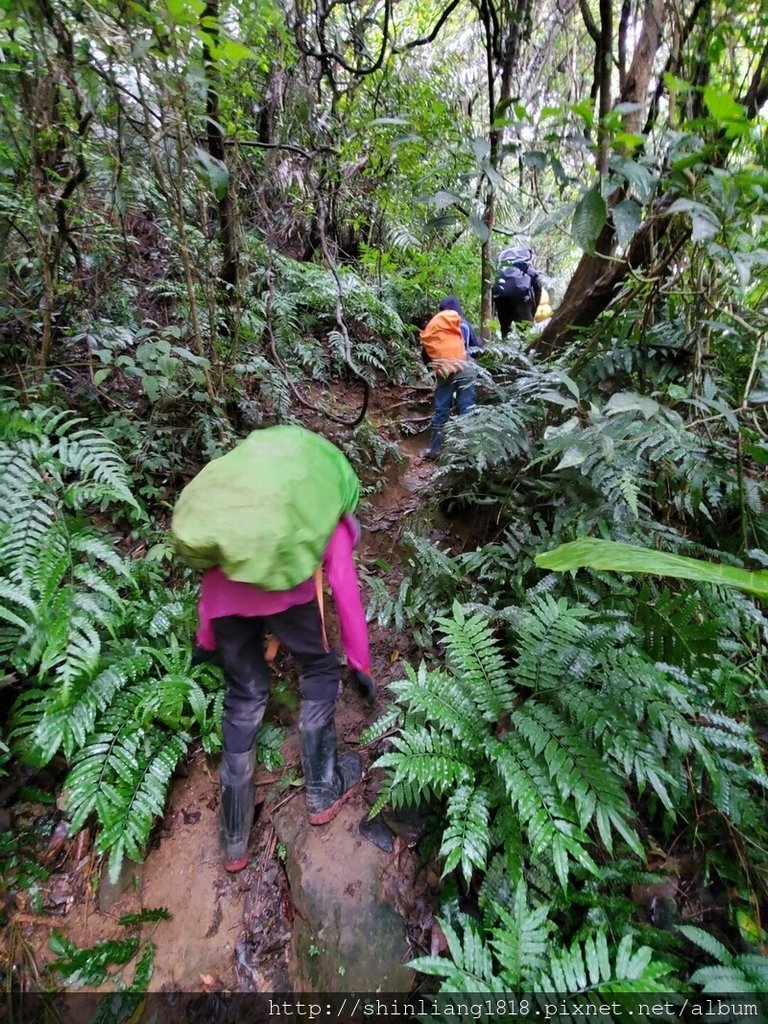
{"type": "Point", "coordinates": [221, 215]}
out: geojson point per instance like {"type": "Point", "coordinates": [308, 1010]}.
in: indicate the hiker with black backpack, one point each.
{"type": "Point", "coordinates": [264, 521]}
{"type": "Point", "coordinates": [516, 291]}
{"type": "Point", "coordinates": [449, 344]}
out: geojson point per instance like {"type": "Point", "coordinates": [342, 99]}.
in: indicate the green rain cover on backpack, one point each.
{"type": "Point", "coordinates": [265, 511]}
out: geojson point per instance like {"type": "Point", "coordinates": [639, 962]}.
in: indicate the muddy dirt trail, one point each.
{"type": "Point", "coordinates": [230, 932]}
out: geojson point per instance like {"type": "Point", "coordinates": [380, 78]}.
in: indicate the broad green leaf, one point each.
{"type": "Point", "coordinates": [573, 457]}
{"type": "Point", "coordinates": [628, 401]}
{"type": "Point", "coordinates": [628, 140]}
{"type": "Point", "coordinates": [233, 51]}
{"type": "Point", "coordinates": [213, 171]}
{"type": "Point", "coordinates": [675, 84]}
{"type": "Point", "coordinates": [612, 556]}
{"type": "Point", "coordinates": [535, 159]}
{"type": "Point", "coordinates": [446, 221]}
{"type": "Point", "coordinates": [479, 227]}
{"type": "Point", "coordinates": [563, 377]}
{"type": "Point", "coordinates": [722, 106]}
{"type": "Point", "coordinates": [704, 225]}
{"type": "Point", "coordinates": [743, 265]}
{"type": "Point", "coordinates": [185, 12]}
{"type": "Point", "coordinates": [501, 107]}
{"type": "Point", "coordinates": [583, 109]}
{"type": "Point", "coordinates": [401, 121]}
{"type": "Point", "coordinates": [639, 177]}
{"type": "Point", "coordinates": [704, 222]}
{"type": "Point", "coordinates": [758, 452]}
{"type": "Point", "coordinates": [481, 147]}
{"type": "Point", "coordinates": [588, 219]}
{"type": "Point", "coordinates": [626, 220]}
{"type": "Point", "coordinates": [442, 200]}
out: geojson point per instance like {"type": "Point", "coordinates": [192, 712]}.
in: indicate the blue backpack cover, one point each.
{"type": "Point", "coordinates": [513, 284]}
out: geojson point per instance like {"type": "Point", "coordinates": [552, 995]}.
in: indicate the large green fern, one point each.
{"type": "Point", "coordinates": [517, 951]}
{"type": "Point", "coordinates": [93, 635]}
{"type": "Point", "coordinates": [558, 740]}
{"type": "Point", "coordinates": [741, 972]}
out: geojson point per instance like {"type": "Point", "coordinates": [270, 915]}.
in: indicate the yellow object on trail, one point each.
{"type": "Point", "coordinates": [544, 311]}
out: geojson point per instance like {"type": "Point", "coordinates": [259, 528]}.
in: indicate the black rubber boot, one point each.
{"type": "Point", "coordinates": [330, 779]}
{"type": "Point", "coordinates": [238, 795]}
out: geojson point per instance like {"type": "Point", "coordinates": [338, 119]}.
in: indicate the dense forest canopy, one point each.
{"type": "Point", "coordinates": [216, 215]}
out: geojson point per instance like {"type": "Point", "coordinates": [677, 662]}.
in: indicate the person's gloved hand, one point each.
{"type": "Point", "coordinates": [201, 656]}
{"type": "Point", "coordinates": [364, 685]}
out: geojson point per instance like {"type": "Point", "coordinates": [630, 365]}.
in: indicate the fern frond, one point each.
{"type": "Point", "coordinates": [140, 798]}
{"type": "Point", "coordinates": [96, 458]}
{"type": "Point", "coordinates": [15, 594]}
{"type": "Point", "coordinates": [521, 939]}
{"type": "Point", "coordinates": [470, 966]}
{"type": "Point", "coordinates": [23, 539]}
{"type": "Point", "coordinates": [466, 836]}
{"type": "Point", "coordinates": [578, 773]}
{"type": "Point", "coordinates": [102, 552]}
{"type": "Point", "coordinates": [674, 628]}
{"type": "Point", "coordinates": [425, 762]}
{"type": "Point", "coordinates": [391, 718]}
{"type": "Point", "coordinates": [78, 659]}
{"type": "Point", "coordinates": [496, 439]}
{"type": "Point", "coordinates": [269, 739]}
{"type": "Point", "coordinates": [586, 966]}
{"type": "Point", "coordinates": [473, 655]}
{"type": "Point", "coordinates": [554, 636]}
{"type": "Point", "coordinates": [548, 822]}
{"type": "Point", "coordinates": [441, 698]}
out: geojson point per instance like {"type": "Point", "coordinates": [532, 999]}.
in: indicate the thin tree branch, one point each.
{"type": "Point", "coordinates": [304, 153]}
{"type": "Point", "coordinates": [672, 62]}
{"type": "Point", "coordinates": [334, 55]}
{"type": "Point", "coordinates": [626, 8]}
{"type": "Point", "coordinates": [606, 45]}
{"type": "Point", "coordinates": [424, 40]}
{"type": "Point", "coordinates": [589, 22]}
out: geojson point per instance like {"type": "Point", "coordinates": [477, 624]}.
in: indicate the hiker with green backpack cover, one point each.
{"type": "Point", "coordinates": [263, 521]}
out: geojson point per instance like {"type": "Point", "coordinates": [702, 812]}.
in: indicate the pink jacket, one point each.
{"type": "Point", "coordinates": [220, 596]}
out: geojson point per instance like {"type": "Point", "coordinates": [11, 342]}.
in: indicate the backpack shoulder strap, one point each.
{"type": "Point", "coordinates": [321, 602]}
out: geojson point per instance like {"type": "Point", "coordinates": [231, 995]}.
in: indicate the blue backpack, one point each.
{"type": "Point", "coordinates": [513, 278]}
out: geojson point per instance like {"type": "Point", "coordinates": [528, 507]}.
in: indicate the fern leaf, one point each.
{"type": "Point", "coordinates": [426, 762]}
{"type": "Point", "coordinates": [441, 699]}
{"type": "Point", "coordinates": [577, 772]}
{"type": "Point", "coordinates": [466, 837]}
{"type": "Point", "coordinates": [473, 655]}
{"type": "Point", "coordinates": [707, 942]}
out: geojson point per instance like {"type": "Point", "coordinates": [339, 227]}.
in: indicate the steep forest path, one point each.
{"type": "Point", "coordinates": [234, 932]}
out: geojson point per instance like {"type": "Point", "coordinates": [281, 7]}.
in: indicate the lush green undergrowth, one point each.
{"type": "Point", "coordinates": [583, 735]}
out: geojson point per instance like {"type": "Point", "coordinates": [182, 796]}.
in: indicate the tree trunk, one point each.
{"type": "Point", "coordinates": [229, 272]}
{"type": "Point", "coordinates": [600, 281]}
{"type": "Point", "coordinates": [595, 280]}
{"type": "Point", "coordinates": [515, 33]}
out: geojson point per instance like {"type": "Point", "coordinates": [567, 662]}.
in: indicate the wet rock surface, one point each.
{"type": "Point", "coordinates": [347, 934]}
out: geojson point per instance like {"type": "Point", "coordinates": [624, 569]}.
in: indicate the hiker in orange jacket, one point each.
{"type": "Point", "coordinates": [455, 345]}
